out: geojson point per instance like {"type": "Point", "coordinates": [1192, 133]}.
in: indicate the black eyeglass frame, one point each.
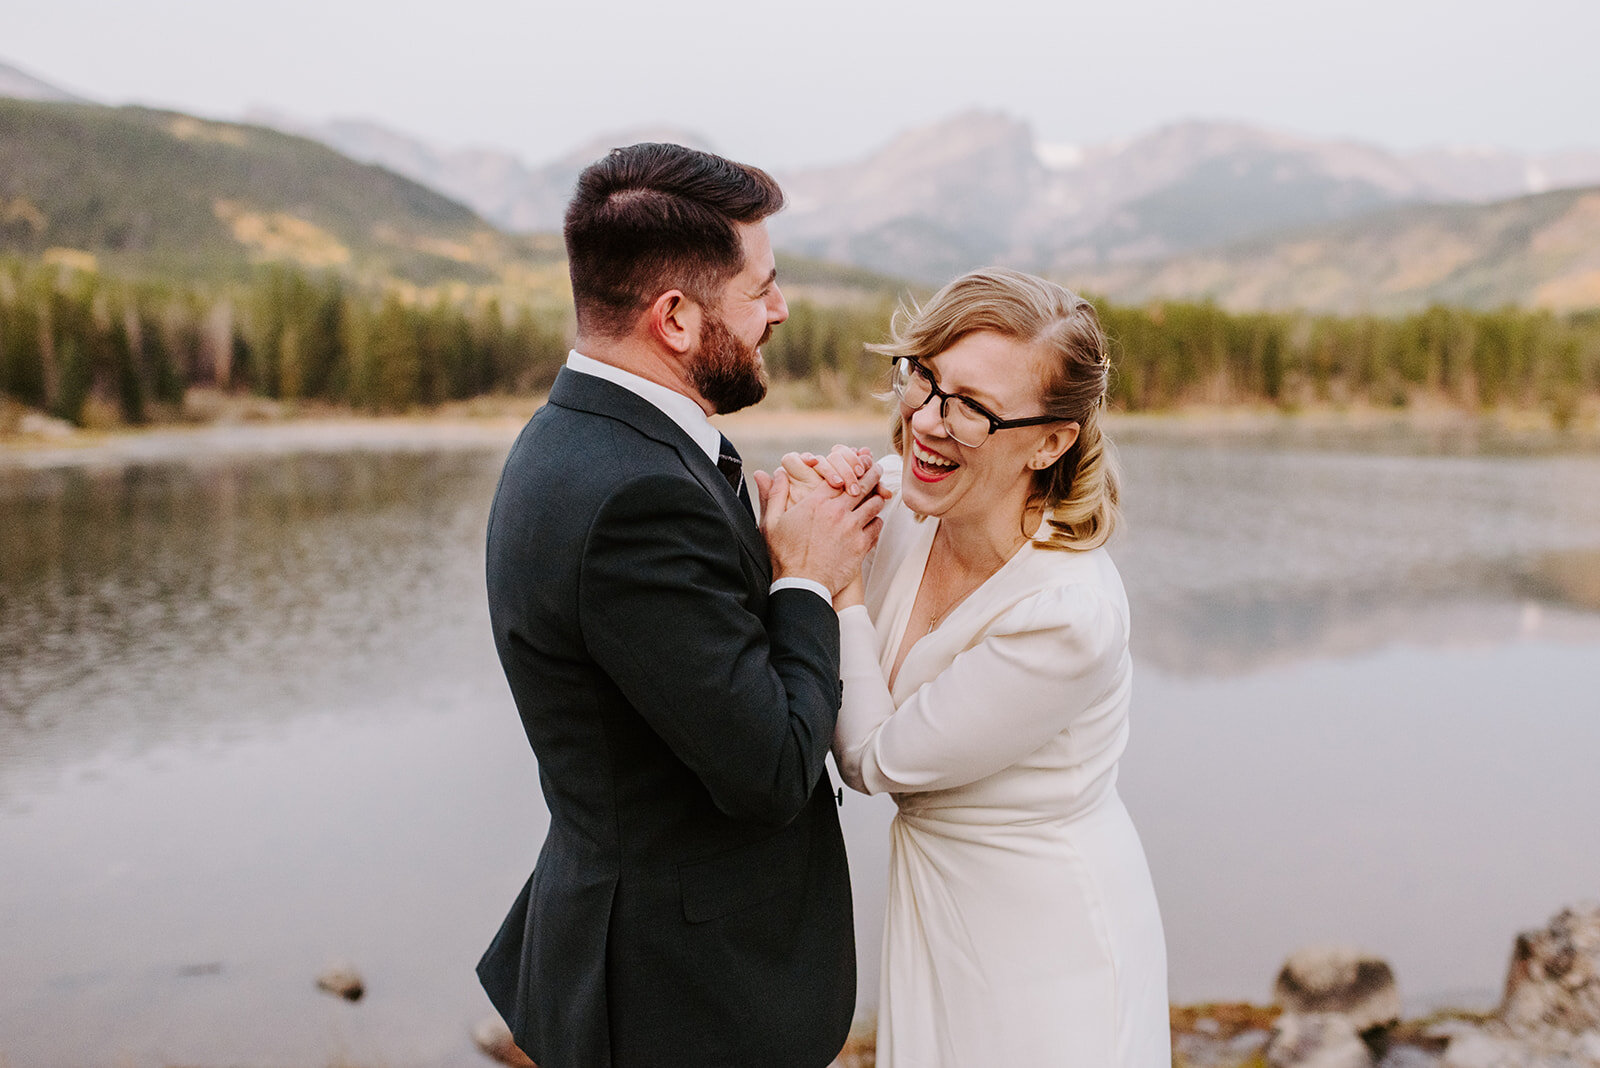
{"type": "Point", "coordinates": [995, 422]}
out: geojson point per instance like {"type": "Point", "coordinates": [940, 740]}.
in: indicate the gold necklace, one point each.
{"type": "Point", "coordinates": [953, 605]}
{"type": "Point", "coordinates": [971, 588]}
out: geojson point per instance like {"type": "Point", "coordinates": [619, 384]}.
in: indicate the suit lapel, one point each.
{"type": "Point", "coordinates": [573, 389]}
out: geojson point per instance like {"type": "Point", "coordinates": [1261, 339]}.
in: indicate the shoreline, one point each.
{"type": "Point", "coordinates": [250, 426]}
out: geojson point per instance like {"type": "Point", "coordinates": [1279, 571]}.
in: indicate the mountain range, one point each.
{"type": "Point", "coordinates": [503, 188]}
{"type": "Point", "coordinates": [1203, 210]}
{"type": "Point", "coordinates": [981, 187]}
{"type": "Point", "coordinates": [1538, 251]}
{"type": "Point", "coordinates": [162, 195]}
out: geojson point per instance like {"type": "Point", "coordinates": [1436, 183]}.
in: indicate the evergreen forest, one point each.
{"type": "Point", "coordinates": [70, 338]}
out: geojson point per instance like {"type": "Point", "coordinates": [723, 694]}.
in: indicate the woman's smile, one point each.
{"type": "Point", "coordinates": [928, 465]}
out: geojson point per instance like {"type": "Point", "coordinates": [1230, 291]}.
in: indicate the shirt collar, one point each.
{"type": "Point", "coordinates": [674, 405]}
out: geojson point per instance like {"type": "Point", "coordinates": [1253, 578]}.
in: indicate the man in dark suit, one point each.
{"type": "Point", "coordinates": [677, 675]}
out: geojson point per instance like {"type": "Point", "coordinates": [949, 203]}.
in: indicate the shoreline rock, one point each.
{"type": "Point", "coordinates": [342, 981]}
{"type": "Point", "coordinates": [1338, 1008]}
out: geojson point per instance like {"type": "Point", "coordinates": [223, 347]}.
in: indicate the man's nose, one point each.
{"type": "Point", "coordinates": [777, 307]}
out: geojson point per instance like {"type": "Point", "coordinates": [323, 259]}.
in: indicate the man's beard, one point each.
{"type": "Point", "coordinates": [726, 371]}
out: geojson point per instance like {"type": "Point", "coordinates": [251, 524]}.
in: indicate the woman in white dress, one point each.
{"type": "Point", "coordinates": [986, 688]}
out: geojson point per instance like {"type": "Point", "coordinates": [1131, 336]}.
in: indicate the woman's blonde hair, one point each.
{"type": "Point", "coordinates": [1080, 490]}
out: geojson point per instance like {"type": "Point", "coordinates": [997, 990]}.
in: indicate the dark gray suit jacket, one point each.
{"type": "Point", "coordinates": [691, 903]}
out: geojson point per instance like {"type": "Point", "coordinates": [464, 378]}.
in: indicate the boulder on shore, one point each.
{"type": "Point", "coordinates": [1337, 979]}
{"type": "Point", "coordinates": [1554, 978]}
{"type": "Point", "coordinates": [1550, 1015]}
{"type": "Point", "coordinates": [1317, 1040]}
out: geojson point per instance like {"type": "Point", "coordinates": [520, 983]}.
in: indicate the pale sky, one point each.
{"type": "Point", "coordinates": [789, 84]}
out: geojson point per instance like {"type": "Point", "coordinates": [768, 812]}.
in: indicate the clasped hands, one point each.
{"type": "Point", "coordinates": [820, 515]}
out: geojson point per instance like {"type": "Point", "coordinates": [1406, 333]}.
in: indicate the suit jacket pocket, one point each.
{"type": "Point", "coordinates": [746, 876]}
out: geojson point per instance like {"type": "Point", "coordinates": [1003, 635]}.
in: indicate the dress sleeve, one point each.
{"type": "Point", "coordinates": [892, 474]}
{"type": "Point", "coordinates": [893, 471]}
{"type": "Point", "coordinates": [1035, 670]}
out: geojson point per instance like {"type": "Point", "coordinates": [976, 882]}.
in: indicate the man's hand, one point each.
{"type": "Point", "coordinates": [822, 536]}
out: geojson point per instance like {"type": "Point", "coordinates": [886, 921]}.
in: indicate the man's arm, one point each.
{"type": "Point", "coordinates": [748, 704]}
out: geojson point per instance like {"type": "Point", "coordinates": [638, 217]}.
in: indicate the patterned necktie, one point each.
{"type": "Point", "coordinates": [732, 469]}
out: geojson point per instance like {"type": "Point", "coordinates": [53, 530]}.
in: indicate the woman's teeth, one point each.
{"type": "Point", "coordinates": [931, 459]}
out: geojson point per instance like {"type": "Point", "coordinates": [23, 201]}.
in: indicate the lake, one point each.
{"type": "Point", "coordinates": [251, 722]}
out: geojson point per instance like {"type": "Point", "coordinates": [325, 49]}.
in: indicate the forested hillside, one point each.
{"type": "Point", "coordinates": [160, 194]}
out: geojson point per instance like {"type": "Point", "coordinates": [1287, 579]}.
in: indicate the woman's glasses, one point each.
{"type": "Point", "coordinates": [965, 420]}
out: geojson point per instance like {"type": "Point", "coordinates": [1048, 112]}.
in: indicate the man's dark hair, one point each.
{"type": "Point", "coordinates": [654, 217]}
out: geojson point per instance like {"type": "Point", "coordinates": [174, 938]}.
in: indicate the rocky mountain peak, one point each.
{"type": "Point", "coordinates": [21, 85]}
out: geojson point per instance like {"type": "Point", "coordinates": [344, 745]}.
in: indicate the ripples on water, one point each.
{"type": "Point", "coordinates": [161, 596]}
{"type": "Point", "coordinates": [251, 719]}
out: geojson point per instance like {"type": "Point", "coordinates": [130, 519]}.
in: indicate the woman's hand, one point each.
{"type": "Point", "coordinates": [844, 470]}
{"type": "Point", "coordinates": [802, 478]}
{"type": "Point", "coordinates": [843, 467]}
{"type": "Point", "coordinates": [848, 470]}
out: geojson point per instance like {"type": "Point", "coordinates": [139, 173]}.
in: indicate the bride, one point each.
{"type": "Point", "coordinates": [986, 688]}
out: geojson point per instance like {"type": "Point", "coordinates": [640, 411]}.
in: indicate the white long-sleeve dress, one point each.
{"type": "Point", "coordinates": [1022, 928]}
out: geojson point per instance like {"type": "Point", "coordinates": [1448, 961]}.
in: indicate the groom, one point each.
{"type": "Point", "coordinates": [678, 677]}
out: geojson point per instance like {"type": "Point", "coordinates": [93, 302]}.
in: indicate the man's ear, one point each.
{"type": "Point", "coordinates": [1054, 446]}
{"type": "Point", "coordinates": [674, 321]}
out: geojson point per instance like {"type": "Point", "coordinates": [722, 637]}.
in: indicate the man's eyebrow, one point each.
{"type": "Point", "coordinates": [771, 278]}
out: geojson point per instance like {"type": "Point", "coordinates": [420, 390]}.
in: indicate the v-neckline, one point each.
{"type": "Point", "coordinates": [903, 617]}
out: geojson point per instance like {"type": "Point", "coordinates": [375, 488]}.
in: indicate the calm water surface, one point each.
{"type": "Point", "coordinates": [251, 722]}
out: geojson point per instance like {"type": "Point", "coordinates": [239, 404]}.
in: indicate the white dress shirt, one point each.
{"type": "Point", "coordinates": [688, 414]}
